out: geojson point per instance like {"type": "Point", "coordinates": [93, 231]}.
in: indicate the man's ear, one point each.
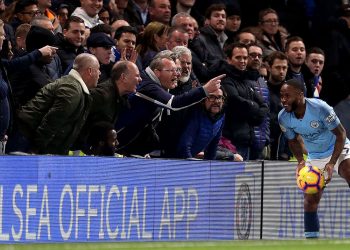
{"type": "Point", "coordinates": [157, 73]}
{"type": "Point", "coordinates": [92, 50]}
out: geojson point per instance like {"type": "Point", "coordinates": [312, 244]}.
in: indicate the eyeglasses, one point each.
{"type": "Point", "coordinates": [271, 21]}
{"type": "Point", "coordinates": [31, 13]}
{"type": "Point", "coordinates": [214, 98]}
{"type": "Point", "coordinates": [175, 70]}
{"type": "Point", "coordinates": [255, 55]}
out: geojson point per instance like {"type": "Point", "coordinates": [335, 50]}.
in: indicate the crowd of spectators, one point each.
{"type": "Point", "coordinates": [165, 78]}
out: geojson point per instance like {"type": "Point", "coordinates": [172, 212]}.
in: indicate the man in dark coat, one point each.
{"type": "Point", "coordinates": [245, 106]}
{"type": "Point", "coordinates": [38, 74]}
{"type": "Point", "coordinates": [147, 104]}
{"type": "Point", "coordinates": [70, 41]}
{"type": "Point", "coordinates": [110, 97]}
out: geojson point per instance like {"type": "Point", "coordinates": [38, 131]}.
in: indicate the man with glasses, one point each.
{"type": "Point", "coordinates": [25, 11]}
{"type": "Point", "coordinates": [136, 125]}
{"type": "Point", "coordinates": [261, 138]}
{"type": "Point", "coordinates": [168, 133]}
{"type": "Point", "coordinates": [273, 35]}
{"type": "Point", "coordinates": [203, 128]}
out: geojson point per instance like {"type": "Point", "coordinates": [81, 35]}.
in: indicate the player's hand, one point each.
{"type": "Point", "coordinates": [298, 168]}
{"type": "Point", "coordinates": [328, 171]}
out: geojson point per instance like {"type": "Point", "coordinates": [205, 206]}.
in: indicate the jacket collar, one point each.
{"type": "Point", "coordinates": [75, 74]}
{"type": "Point", "coordinates": [151, 75]}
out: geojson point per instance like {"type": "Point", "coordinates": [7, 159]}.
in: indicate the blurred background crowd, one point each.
{"type": "Point", "coordinates": [165, 78]}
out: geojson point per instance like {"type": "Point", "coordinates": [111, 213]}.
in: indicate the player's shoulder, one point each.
{"type": "Point", "coordinates": [316, 103]}
{"type": "Point", "coordinates": [283, 113]}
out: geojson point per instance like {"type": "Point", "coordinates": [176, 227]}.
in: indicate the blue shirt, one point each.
{"type": "Point", "coordinates": [315, 127]}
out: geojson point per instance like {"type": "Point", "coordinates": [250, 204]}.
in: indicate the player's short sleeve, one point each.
{"type": "Point", "coordinates": [328, 116]}
{"type": "Point", "coordinates": [283, 119]}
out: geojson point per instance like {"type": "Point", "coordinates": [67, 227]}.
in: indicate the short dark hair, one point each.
{"type": "Point", "coordinates": [229, 48]}
{"type": "Point", "coordinates": [102, 27]}
{"type": "Point", "coordinates": [22, 4]}
{"type": "Point", "coordinates": [72, 19]}
{"type": "Point", "coordinates": [254, 45]}
{"type": "Point", "coordinates": [264, 12]}
{"type": "Point", "coordinates": [244, 30]}
{"type": "Point", "coordinates": [296, 84]}
{"type": "Point", "coordinates": [315, 50]}
{"type": "Point", "coordinates": [124, 29]}
{"type": "Point", "coordinates": [99, 132]}
{"type": "Point", "coordinates": [293, 39]}
{"type": "Point", "coordinates": [118, 69]}
{"type": "Point", "coordinates": [276, 55]}
{"type": "Point", "coordinates": [214, 7]}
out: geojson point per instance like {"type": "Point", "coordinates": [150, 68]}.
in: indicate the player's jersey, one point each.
{"type": "Point", "coordinates": [315, 127]}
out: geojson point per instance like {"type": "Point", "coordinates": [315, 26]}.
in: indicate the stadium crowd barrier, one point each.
{"type": "Point", "coordinates": [78, 199]}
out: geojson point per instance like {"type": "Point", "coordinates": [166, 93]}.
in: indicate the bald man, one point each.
{"type": "Point", "coordinates": [110, 97]}
{"type": "Point", "coordinates": [52, 120]}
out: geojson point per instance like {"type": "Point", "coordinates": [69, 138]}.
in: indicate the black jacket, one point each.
{"type": "Point", "coordinates": [208, 43]}
{"type": "Point", "coordinates": [67, 51]}
{"type": "Point", "coordinates": [245, 108]}
{"type": "Point", "coordinates": [33, 78]}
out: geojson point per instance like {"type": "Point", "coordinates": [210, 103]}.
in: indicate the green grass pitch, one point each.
{"type": "Point", "coordinates": [212, 245]}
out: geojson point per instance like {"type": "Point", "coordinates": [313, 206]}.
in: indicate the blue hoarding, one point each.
{"type": "Point", "coordinates": [75, 199]}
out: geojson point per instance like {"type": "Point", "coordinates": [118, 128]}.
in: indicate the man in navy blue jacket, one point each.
{"type": "Point", "coordinates": [135, 125]}
{"type": "Point", "coordinates": [203, 130]}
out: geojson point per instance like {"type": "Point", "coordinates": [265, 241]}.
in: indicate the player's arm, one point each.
{"type": "Point", "coordinates": [340, 135]}
{"type": "Point", "coordinates": [297, 149]}
{"type": "Point", "coordinates": [294, 142]}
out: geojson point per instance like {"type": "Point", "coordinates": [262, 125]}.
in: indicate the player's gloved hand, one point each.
{"type": "Point", "coordinates": [299, 167]}
{"type": "Point", "coordinates": [328, 172]}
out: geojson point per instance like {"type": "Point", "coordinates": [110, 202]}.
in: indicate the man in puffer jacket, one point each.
{"type": "Point", "coordinates": [261, 137]}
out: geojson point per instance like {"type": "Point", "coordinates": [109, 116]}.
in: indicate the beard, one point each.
{"type": "Point", "coordinates": [184, 78]}
{"type": "Point", "coordinates": [294, 106]}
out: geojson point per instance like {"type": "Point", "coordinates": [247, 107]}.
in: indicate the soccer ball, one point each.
{"type": "Point", "coordinates": [310, 180]}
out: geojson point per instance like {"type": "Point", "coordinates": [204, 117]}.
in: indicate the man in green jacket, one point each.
{"type": "Point", "coordinates": [52, 120]}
